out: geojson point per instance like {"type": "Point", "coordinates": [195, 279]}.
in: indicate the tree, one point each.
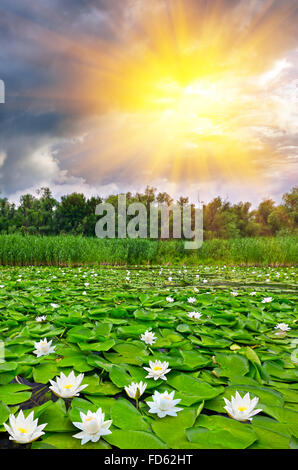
{"type": "Point", "coordinates": [47, 205]}
{"type": "Point", "coordinates": [262, 215]}
{"type": "Point", "coordinates": [27, 215]}
{"type": "Point", "coordinates": [183, 201]}
{"type": "Point", "coordinates": [44, 215]}
{"type": "Point", "coordinates": [90, 219]}
{"type": "Point", "coordinates": [164, 198]}
{"type": "Point", "coordinates": [70, 214]}
{"type": "Point", "coordinates": [279, 220]}
{"type": "Point", "coordinates": [290, 201]}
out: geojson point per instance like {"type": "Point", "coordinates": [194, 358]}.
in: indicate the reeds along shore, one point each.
{"type": "Point", "coordinates": [73, 250]}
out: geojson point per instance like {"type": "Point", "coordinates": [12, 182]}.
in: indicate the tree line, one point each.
{"type": "Point", "coordinates": [75, 214]}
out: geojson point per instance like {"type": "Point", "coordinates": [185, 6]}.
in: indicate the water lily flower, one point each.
{"type": "Point", "coordinates": [267, 300]}
{"type": "Point", "coordinates": [24, 430]}
{"type": "Point", "coordinates": [196, 290]}
{"type": "Point", "coordinates": [191, 300]}
{"type": "Point", "coordinates": [43, 348]}
{"type": "Point", "coordinates": [169, 299]}
{"type": "Point", "coordinates": [205, 281]}
{"type": "Point", "coordinates": [164, 404]}
{"type": "Point", "coordinates": [234, 294]}
{"type": "Point", "coordinates": [195, 315]}
{"type": "Point", "coordinates": [170, 279]}
{"type": "Point", "coordinates": [148, 337]}
{"type": "Point", "coordinates": [135, 390]}
{"type": "Point", "coordinates": [157, 370]}
{"type": "Point", "coordinates": [41, 318]}
{"type": "Point", "coordinates": [92, 426]}
{"type": "Point", "coordinates": [67, 387]}
{"type": "Point", "coordinates": [282, 327]}
{"type": "Point", "coordinates": [54, 305]}
{"type": "Point", "coordinates": [241, 409]}
{"type": "Point", "coordinates": [253, 293]}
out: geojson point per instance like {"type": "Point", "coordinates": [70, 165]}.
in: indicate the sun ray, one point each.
{"type": "Point", "coordinates": [173, 94]}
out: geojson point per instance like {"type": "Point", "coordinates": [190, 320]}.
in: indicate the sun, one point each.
{"type": "Point", "coordinates": [195, 109]}
{"type": "Point", "coordinates": [178, 95]}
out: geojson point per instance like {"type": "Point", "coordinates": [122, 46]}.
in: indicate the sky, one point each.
{"type": "Point", "coordinates": [194, 97]}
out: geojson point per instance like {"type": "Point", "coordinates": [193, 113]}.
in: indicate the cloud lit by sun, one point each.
{"type": "Point", "coordinates": [187, 90]}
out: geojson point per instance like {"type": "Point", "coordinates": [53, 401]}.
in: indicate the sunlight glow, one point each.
{"type": "Point", "coordinates": [176, 93]}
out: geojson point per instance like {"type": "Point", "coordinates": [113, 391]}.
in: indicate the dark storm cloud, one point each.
{"type": "Point", "coordinates": [27, 126]}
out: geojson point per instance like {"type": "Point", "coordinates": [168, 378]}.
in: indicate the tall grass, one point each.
{"type": "Point", "coordinates": [72, 250]}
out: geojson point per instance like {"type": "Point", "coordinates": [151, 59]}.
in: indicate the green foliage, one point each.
{"type": "Point", "coordinates": [75, 215]}
{"type": "Point", "coordinates": [95, 318]}
{"type": "Point", "coordinates": [72, 250]}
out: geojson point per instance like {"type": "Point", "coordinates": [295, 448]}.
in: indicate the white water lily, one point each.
{"type": "Point", "coordinates": [164, 404]}
{"type": "Point", "coordinates": [135, 390]}
{"type": "Point", "coordinates": [169, 299]}
{"type": "Point", "coordinates": [54, 305]}
{"type": "Point", "coordinates": [157, 370]}
{"type": "Point", "coordinates": [282, 327]}
{"type": "Point", "coordinates": [191, 300]}
{"type": "Point", "coordinates": [234, 294]}
{"type": "Point", "coordinates": [170, 279]}
{"type": "Point", "coordinates": [67, 387]}
{"type": "Point", "coordinates": [41, 318]}
{"type": "Point", "coordinates": [24, 430]}
{"type": "Point", "coordinates": [43, 348]}
{"type": "Point", "coordinates": [267, 300]}
{"type": "Point", "coordinates": [148, 337]}
{"type": "Point", "coordinates": [241, 409]}
{"type": "Point", "coordinates": [253, 293]}
{"type": "Point", "coordinates": [92, 426]}
{"type": "Point", "coordinates": [195, 315]}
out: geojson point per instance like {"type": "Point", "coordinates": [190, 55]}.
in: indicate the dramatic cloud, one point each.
{"type": "Point", "coordinates": [189, 96]}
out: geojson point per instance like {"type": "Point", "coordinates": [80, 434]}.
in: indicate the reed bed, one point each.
{"type": "Point", "coordinates": [71, 250]}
